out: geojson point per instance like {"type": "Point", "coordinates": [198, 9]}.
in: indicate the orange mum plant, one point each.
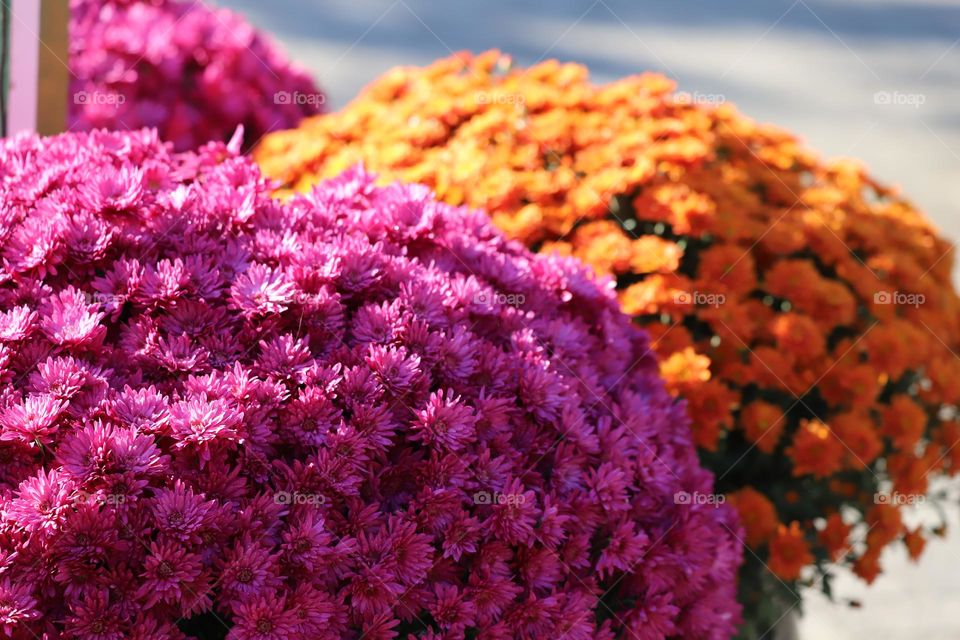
{"type": "Point", "coordinates": [803, 310]}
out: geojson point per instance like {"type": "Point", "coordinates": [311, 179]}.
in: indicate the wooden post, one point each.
{"type": "Point", "coordinates": [53, 90]}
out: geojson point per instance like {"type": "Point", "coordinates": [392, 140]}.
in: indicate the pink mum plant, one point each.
{"type": "Point", "coordinates": [192, 71]}
{"type": "Point", "coordinates": [356, 413]}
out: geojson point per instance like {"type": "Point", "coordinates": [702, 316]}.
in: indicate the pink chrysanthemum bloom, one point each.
{"type": "Point", "coordinates": [192, 71]}
{"type": "Point", "coordinates": [16, 607]}
{"type": "Point", "coordinates": [355, 413]}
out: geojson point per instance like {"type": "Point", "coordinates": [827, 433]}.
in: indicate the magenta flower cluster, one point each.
{"type": "Point", "coordinates": [192, 71]}
{"type": "Point", "coordinates": [359, 413]}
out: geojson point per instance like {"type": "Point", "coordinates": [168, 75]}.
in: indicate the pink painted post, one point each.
{"type": "Point", "coordinates": [24, 57]}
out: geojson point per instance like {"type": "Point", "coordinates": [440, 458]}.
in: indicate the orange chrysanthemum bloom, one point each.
{"type": "Point", "coordinates": [762, 423]}
{"type": "Point", "coordinates": [885, 524]}
{"type": "Point", "coordinates": [904, 422]}
{"type": "Point", "coordinates": [835, 536]}
{"type": "Point", "coordinates": [774, 285]}
{"type": "Point", "coordinates": [915, 543]}
{"type": "Point", "coordinates": [948, 438]}
{"type": "Point", "coordinates": [789, 552]}
{"type": "Point", "coordinates": [815, 450]}
{"type": "Point", "coordinates": [859, 434]}
{"type": "Point", "coordinates": [867, 566]}
{"type": "Point", "coordinates": [757, 515]}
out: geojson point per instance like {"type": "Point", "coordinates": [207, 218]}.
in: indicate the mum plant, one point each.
{"type": "Point", "coordinates": [192, 71]}
{"type": "Point", "coordinates": [360, 413]}
{"type": "Point", "coordinates": [804, 310]}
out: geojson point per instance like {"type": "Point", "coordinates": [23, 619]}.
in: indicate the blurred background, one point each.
{"type": "Point", "coordinates": [875, 79]}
